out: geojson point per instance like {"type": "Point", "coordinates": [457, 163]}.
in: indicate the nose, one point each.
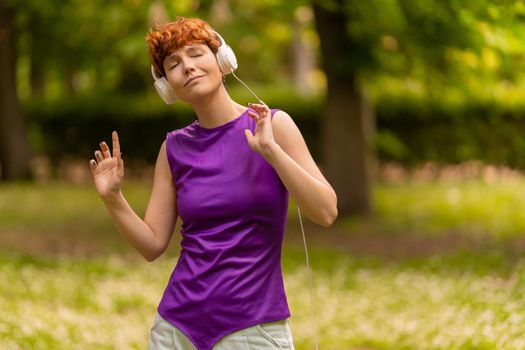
{"type": "Point", "coordinates": [188, 67]}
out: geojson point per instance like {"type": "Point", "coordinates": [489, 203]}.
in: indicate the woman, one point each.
{"type": "Point", "coordinates": [228, 176]}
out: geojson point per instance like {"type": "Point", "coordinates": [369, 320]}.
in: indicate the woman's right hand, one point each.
{"type": "Point", "coordinates": [108, 170]}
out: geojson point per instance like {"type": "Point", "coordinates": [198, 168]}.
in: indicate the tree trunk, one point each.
{"type": "Point", "coordinates": [303, 58]}
{"type": "Point", "coordinates": [348, 117]}
{"type": "Point", "coordinates": [14, 147]}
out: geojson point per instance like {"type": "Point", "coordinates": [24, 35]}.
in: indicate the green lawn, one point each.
{"type": "Point", "coordinates": [495, 209]}
{"type": "Point", "coordinates": [92, 292]}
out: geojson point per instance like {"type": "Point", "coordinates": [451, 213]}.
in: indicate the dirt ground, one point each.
{"type": "Point", "coordinates": [364, 241]}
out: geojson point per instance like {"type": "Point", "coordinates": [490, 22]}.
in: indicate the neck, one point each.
{"type": "Point", "coordinates": [217, 109]}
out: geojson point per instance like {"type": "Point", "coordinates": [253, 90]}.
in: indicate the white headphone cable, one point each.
{"type": "Point", "coordinates": [258, 99]}
{"type": "Point", "coordinates": [310, 281]}
{"type": "Point", "coordinates": [304, 241]}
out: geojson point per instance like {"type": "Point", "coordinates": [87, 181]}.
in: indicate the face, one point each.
{"type": "Point", "coordinates": [193, 72]}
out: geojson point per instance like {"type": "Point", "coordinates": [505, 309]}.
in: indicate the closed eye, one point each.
{"type": "Point", "coordinates": [175, 64]}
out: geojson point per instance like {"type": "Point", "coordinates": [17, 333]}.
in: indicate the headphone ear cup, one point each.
{"type": "Point", "coordinates": [165, 91]}
{"type": "Point", "coordinates": [226, 59]}
{"type": "Point", "coordinates": [163, 88]}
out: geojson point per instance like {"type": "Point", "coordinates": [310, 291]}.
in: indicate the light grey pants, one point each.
{"type": "Point", "coordinates": [265, 336]}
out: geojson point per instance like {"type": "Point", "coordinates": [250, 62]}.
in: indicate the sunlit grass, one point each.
{"type": "Point", "coordinates": [474, 207]}
{"type": "Point", "coordinates": [82, 304]}
{"type": "Point", "coordinates": [109, 303]}
{"type": "Point", "coordinates": [405, 306]}
{"type": "Point", "coordinates": [30, 205]}
{"type": "Point", "coordinates": [457, 300]}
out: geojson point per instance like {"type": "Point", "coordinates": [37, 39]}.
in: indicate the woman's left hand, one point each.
{"type": "Point", "coordinates": [263, 139]}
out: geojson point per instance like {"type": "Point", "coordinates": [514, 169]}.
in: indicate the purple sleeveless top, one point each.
{"type": "Point", "coordinates": [233, 208]}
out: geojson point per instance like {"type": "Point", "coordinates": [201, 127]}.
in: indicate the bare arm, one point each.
{"type": "Point", "coordinates": [284, 148]}
{"type": "Point", "coordinates": [150, 236]}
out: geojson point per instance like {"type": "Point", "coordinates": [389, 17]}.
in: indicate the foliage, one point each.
{"type": "Point", "coordinates": [78, 47]}
{"type": "Point", "coordinates": [73, 127]}
{"type": "Point", "coordinates": [414, 129]}
{"type": "Point", "coordinates": [446, 77]}
{"type": "Point", "coordinates": [411, 129]}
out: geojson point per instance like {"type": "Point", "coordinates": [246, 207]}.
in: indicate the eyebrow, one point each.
{"type": "Point", "coordinates": [188, 49]}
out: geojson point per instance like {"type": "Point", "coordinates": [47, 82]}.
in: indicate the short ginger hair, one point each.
{"type": "Point", "coordinates": [168, 37]}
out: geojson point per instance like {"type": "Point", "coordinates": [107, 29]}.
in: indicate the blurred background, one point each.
{"type": "Point", "coordinates": [413, 110]}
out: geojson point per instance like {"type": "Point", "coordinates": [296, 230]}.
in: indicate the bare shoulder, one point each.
{"type": "Point", "coordinates": [162, 153]}
{"type": "Point", "coordinates": [162, 147]}
{"type": "Point", "coordinates": [162, 166]}
{"type": "Point", "coordinates": [285, 130]}
{"type": "Point", "coordinates": [281, 116]}
{"type": "Point", "coordinates": [289, 138]}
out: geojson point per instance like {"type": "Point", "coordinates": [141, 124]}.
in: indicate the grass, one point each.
{"type": "Point", "coordinates": [29, 205]}
{"type": "Point", "coordinates": [105, 299]}
{"type": "Point", "coordinates": [474, 206]}
{"type": "Point", "coordinates": [108, 303]}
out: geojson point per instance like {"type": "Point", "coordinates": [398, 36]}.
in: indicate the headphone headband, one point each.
{"type": "Point", "coordinates": [154, 73]}
{"type": "Point", "coordinates": [221, 39]}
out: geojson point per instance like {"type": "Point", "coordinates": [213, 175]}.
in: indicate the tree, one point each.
{"type": "Point", "coordinates": [366, 40]}
{"type": "Point", "coordinates": [14, 146]}
{"type": "Point", "coordinates": [347, 116]}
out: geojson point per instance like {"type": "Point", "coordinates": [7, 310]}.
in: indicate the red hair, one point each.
{"type": "Point", "coordinates": [169, 37]}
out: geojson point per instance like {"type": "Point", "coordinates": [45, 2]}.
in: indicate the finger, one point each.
{"type": "Point", "coordinates": [98, 156]}
{"type": "Point", "coordinates": [92, 164]}
{"type": "Point", "coordinates": [259, 107]}
{"type": "Point", "coordinates": [116, 145]}
{"type": "Point", "coordinates": [262, 112]}
{"type": "Point", "coordinates": [254, 115]}
{"type": "Point", "coordinates": [105, 149]}
{"type": "Point", "coordinates": [256, 105]}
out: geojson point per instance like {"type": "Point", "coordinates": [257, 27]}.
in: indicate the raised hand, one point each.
{"type": "Point", "coordinates": [108, 170]}
{"type": "Point", "coordinates": [263, 138]}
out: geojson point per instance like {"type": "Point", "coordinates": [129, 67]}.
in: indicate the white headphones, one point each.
{"type": "Point", "coordinates": [225, 59]}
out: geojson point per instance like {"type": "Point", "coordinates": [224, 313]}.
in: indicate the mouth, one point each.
{"type": "Point", "coordinates": [192, 79]}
